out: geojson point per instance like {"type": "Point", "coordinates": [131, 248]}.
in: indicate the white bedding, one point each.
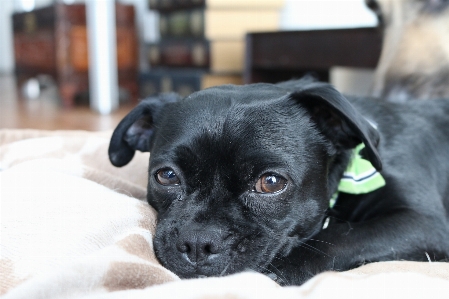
{"type": "Point", "coordinates": [74, 226]}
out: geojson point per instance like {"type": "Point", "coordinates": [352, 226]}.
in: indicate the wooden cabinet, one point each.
{"type": "Point", "coordinates": [53, 41]}
{"type": "Point", "coordinates": [278, 56]}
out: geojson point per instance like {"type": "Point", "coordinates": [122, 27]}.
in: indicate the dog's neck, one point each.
{"type": "Point", "coordinates": [337, 166]}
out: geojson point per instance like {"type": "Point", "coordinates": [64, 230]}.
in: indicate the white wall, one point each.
{"type": "Point", "coordinates": [320, 14]}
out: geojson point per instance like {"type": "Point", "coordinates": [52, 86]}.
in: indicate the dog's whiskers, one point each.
{"type": "Point", "coordinates": [321, 241]}
{"type": "Point", "coordinates": [314, 249]}
{"type": "Point", "coordinates": [278, 258]}
{"type": "Point", "coordinates": [265, 269]}
{"type": "Point", "coordinates": [224, 270]}
{"type": "Point", "coordinates": [283, 278]}
{"type": "Point", "coordinates": [227, 266]}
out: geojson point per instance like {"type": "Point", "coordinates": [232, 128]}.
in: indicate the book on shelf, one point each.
{"type": "Point", "coordinates": [216, 56]}
{"type": "Point", "coordinates": [165, 5]}
{"type": "Point", "coordinates": [216, 24]}
{"type": "Point", "coordinates": [183, 82]}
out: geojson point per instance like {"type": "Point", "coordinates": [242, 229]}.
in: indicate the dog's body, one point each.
{"type": "Point", "coordinates": [241, 177]}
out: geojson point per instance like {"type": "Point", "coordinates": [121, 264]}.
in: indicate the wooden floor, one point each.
{"type": "Point", "coordinates": [46, 112]}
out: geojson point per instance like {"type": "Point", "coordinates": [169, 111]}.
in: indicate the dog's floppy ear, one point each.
{"type": "Point", "coordinates": [338, 120]}
{"type": "Point", "coordinates": [134, 132]}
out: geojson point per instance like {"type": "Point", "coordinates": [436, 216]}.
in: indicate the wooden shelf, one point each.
{"type": "Point", "coordinates": [53, 41]}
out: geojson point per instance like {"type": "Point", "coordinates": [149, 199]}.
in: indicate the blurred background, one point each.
{"type": "Point", "coordinates": [55, 73]}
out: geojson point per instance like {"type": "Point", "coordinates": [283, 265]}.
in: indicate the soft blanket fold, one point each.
{"type": "Point", "coordinates": [74, 226]}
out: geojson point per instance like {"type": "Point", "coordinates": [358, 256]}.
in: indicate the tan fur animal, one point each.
{"type": "Point", "coordinates": [414, 62]}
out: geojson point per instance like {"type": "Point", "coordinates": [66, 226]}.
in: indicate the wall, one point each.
{"type": "Point", "coordinates": [320, 14]}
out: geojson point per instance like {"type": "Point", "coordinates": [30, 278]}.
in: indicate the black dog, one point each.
{"type": "Point", "coordinates": [242, 177]}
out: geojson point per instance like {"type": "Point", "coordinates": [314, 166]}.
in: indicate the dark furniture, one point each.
{"type": "Point", "coordinates": [53, 41]}
{"type": "Point", "coordinates": [277, 56]}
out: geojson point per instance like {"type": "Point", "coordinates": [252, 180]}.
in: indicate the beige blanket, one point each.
{"type": "Point", "coordinates": [74, 226]}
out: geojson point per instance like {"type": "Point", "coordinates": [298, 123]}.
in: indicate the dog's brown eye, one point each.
{"type": "Point", "coordinates": [167, 177]}
{"type": "Point", "coordinates": [270, 183]}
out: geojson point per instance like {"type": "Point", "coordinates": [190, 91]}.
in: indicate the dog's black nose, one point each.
{"type": "Point", "coordinates": [199, 245]}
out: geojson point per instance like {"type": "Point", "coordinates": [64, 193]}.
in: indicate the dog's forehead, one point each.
{"type": "Point", "coordinates": [225, 109]}
{"type": "Point", "coordinates": [222, 98]}
{"type": "Point", "coordinates": [222, 101]}
{"type": "Point", "coordinates": [236, 124]}
{"type": "Point", "coordinates": [259, 91]}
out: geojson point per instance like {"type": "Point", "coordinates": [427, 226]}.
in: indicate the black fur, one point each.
{"type": "Point", "coordinates": [221, 140]}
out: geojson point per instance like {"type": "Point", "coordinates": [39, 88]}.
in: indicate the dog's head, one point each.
{"type": "Point", "coordinates": [241, 174]}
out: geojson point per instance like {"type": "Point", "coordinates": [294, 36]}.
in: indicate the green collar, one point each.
{"type": "Point", "coordinates": [360, 177]}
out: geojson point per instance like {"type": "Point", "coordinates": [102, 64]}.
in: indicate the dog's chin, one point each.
{"type": "Point", "coordinates": [181, 266]}
{"type": "Point", "coordinates": [186, 270]}
{"type": "Point", "coordinates": [223, 267]}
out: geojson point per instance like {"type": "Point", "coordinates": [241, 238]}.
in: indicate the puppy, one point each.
{"type": "Point", "coordinates": [245, 178]}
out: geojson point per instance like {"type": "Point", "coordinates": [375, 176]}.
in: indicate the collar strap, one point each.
{"type": "Point", "coordinates": [360, 177]}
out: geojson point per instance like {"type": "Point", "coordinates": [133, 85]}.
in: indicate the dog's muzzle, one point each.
{"type": "Point", "coordinates": [200, 250]}
{"type": "Point", "coordinates": [199, 246]}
